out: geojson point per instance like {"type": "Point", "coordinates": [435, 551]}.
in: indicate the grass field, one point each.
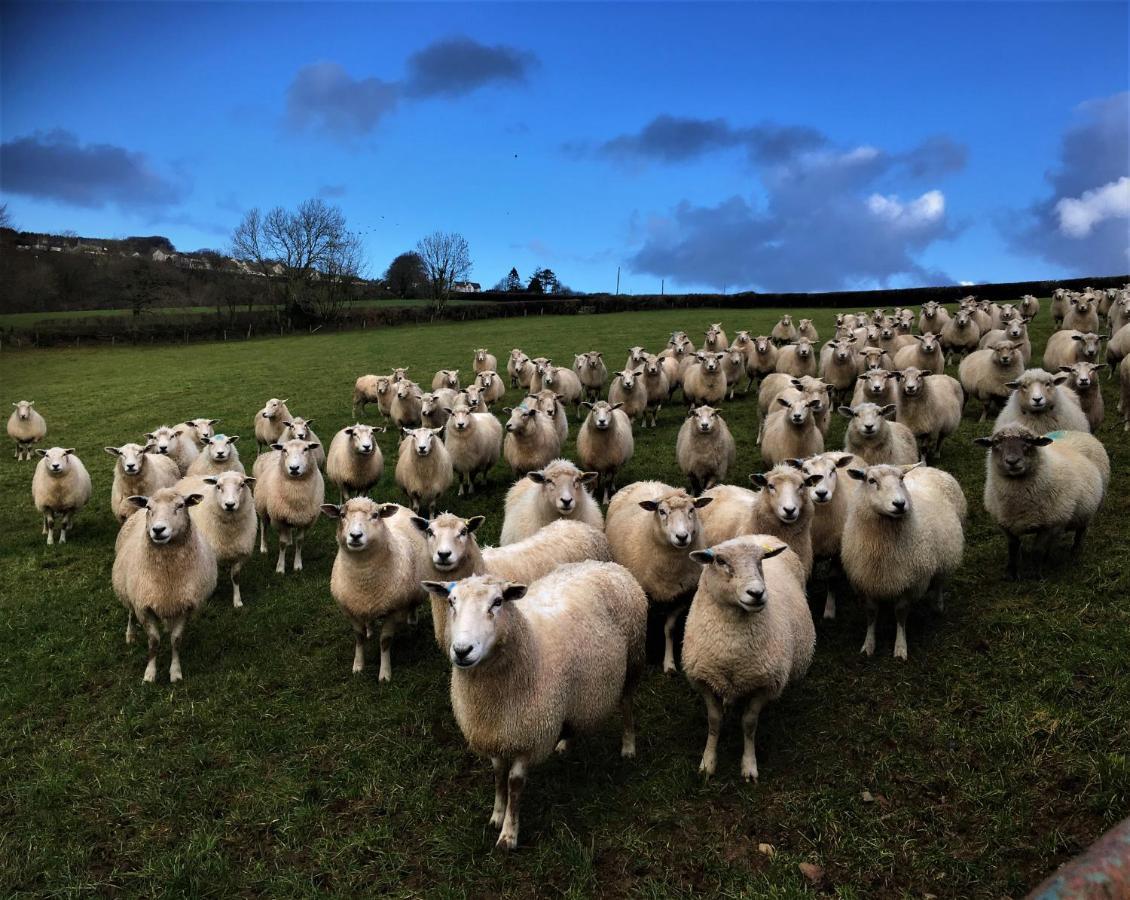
{"type": "Point", "coordinates": [996, 752]}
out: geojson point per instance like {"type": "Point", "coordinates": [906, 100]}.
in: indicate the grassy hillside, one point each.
{"type": "Point", "coordinates": [997, 751]}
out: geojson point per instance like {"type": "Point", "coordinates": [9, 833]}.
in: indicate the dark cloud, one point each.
{"type": "Point", "coordinates": [1084, 225]}
{"type": "Point", "coordinates": [938, 155]}
{"type": "Point", "coordinates": [324, 96]}
{"type": "Point", "coordinates": [459, 65]}
{"type": "Point", "coordinates": [53, 165]}
{"type": "Point", "coordinates": [332, 190]}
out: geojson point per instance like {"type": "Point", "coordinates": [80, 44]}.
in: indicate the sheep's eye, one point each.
{"type": "Point", "coordinates": [430, 533]}
{"type": "Point", "coordinates": [496, 603]}
{"type": "Point", "coordinates": [872, 481]}
{"type": "Point", "coordinates": [451, 602]}
{"type": "Point", "coordinates": [663, 513]}
{"type": "Point", "coordinates": [463, 532]}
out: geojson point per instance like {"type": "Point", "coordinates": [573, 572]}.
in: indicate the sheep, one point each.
{"type": "Point", "coordinates": [1117, 349]}
{"type": "Point", "coordinates": [493, 387]}
{"type": "Point", "coordinates": [875, 439]}
{"type": "Point", "coordinates": [269, 421]}
{"type": "Point", "coordinates": [878, 386]}
{"type": "Point", "coordinates": [298, 428]}
{"type": "Point", "coordinates": [434, 406]}
{"type": "Point", "coordinates": [605, 444]}
{"type": "Point", "coordinates": [831, 497]}
{"type": "Point", "coordinates": [1040, 401]}
{"type": "Point", "coordinates": [930, 406]}
{"type": "Point", "coordinates": [716, 340]}
{"type": "Point", "coordinates": [628, 390]}
{"type": "Point", "coordinates": [749, 635]}
{"type": "Point", "coordinates": [398, 375]}
{"type": "Point", "coordinates": [558, 490]}
{"type": "Point", "coordinates": [1082, 315]}
{"type": "Point", "coordinates": [519, 369]}
{"type": "Point", "coordinates": [674, 360]}
{"type": "Point", "coordinates": [658, 389]}
{"type": "Point", "coordinates": [289, 494]}
{"type": "Point", "coordinates": [985, 374]}
{"type": "Point", "coordinates": [484, 361]}
{"type": "Point", "coordinates": [376, 573]}
{"type": "Point", "coordinates": [797, 359]}
{"type": "Point", "coordinates": [219, 455]}
{"type": "Point", "coordinates": [1083, 379]}
{"type": "Point", "coordinates": [446, 378]}
{"type": "Point", "coordinates": [871, 358]}
{"type": "Point", "coordinates": [762, 359]}
{"type": "Point", "coordinates": [174, 443]}
{"type": "Point", "coordinates": [138, 472]}
{"type": "Point", "coordinates": [199, 430]}
{"type": "Point", "coordinates": [60, 487]}
{"type": "Point", "coordinates": [592, 373]}
{"type": "Point", "coordinates": [981, 318]}
{"type": "Point", "coordinates": [903, 537]}
{"type": "Point", "coordinates": [525, 671]}
{"type": "Point", "coordinates": [226, 518]}
{"type": "Point", "coordinates": [1029, 306]}
{"type": "Point", "coordinates": [961, 335]}
{"type": "Point", "coordinates": [705, 448]}
{"type": "Point", "coordinates": [779, 505]}
{"type": "Point", "coordinates": [474, 444]}
{"type": "Point", "coordinates": [784, 332]}
{"type": "Point", "coordinates": [839, 367]}
{"type": "Point", "coordinates": [549, 404]}
{"type": "Point", "coordinates": [423, 467]}
{"type": "Point", "coordinates": [26, 427]}
{"type": "Point", "coordinates": [636, 357]}
{"type": "Point", "coordinates": [1119, 315]}
{"type": "Point", "coordinates": [1065, 348]}
{"type": "Point", "coordinates": [651, 528]}
{"type": "Point", "coordinates": [777, 386]}
{"type": "Point", "coordinates": [1059, 306]}
{"type": "Point", "coordinates": [471, 397]}
{"type": "Point", "coordinates": [733, 367]}
{"type": "Point", "coordinates": [925, 353]}
{"type": "Point", "coordinates": [1124, 392]}
{"type": "Point", "coordinates": [164, 570]}
{"type": "Point", "coordinates": [933, 318]}
{"type": "Point", "coordinates": [1015, 330]}
{"type": "Point", "coordinates": [1043, 485]}
{"type": "Point", "coordinates": [791, 431]}
{"type": "Point", "coordinates": [565, 383]}
{"type": "Point", "coordinates": [808, 331]}
{"type": "Point", "coordinates": [540, 365]}
{"type": "Point", "coordinates": [531, 440]}
{"type": "Point", "coordinates": [704, 382]}
{"type": "Point", "coordinates": [354, 462]}
{"type": "Point", "coordinates": [372, 389]}
{"type": "Point", "coordinates": [406, 409]}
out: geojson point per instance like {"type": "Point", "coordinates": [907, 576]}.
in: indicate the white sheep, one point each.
{"type": "Point", "coordinates": [200, 429]}
{"type": "Point", "coordinates": [875, 439]}
{"type": "Point", "coordinates": [1083, 379]}
{"type": "Point", "coordinates": [749, 635]}
{"type": "Point", "coordinates": [1117, 349]}
{"type": "Point", "coordinates": [551, 406]}
{"type": "Point", "coordinates": [704, 381]}
{"type": "Point", "coordinates": [1015, 330]}
{"type": "Point", "coordinates": [219, 454]}
{"type": "Point", "coordinates": [484, 361]}
{"type": "Point", "coordinates": [924, 353]}
{"type": "Point", "coordinates": [540, 365]}
{"type": "Point", "coordinates": [1042, 401]}
{"type": "Point", "coordinates": [174, 443]}
{"type": "Point", "coordinates": [637, 356]}
{"type": "Point", "coordinates": [406, 409]}
{"type": "Point", "coordinates": [791, 431]}
{"type": "Point", "coordinates": [26, 427]}
{"type": "Point", "coordinates": [1029, 306]}
{"type": "Point", "coordinates": [164, 570]}
{"type": "Point", "coordinates": [1043, 485]}
{"type": "Point", "coordinates": [839, 367]}
{"type": "Point", "coordinates": [226, 518]}
{"type": "Point", "coordinates": [630, 391]}
{"type": "Point", "coordinates": [878, 386]}
{"type": "Point", "coordinates": [1082, 315]}
{"type": "Point", "coordinates": [559, 490]}
{"type": "Point", "coordinates": [377, 572]}
{"type": "Point", "coordinates": [493, 387]}
{"type": "Point", "coordinates": [473, 398]}
{"type": "Point", "coordinates": [434, 406]}
{"type": "Point", "coordinates": [705, 449]}
{"type": "Point", "coordinates": [985, 374]}
{"type": "Point", "coordinates": [933, 318]}
{"type": "Point", "coordinates": [565, 383]}
{"type": "Point", "coordinates": [592, 372]}
{"type": "Point", "coordinates": [269, 422]}
{"type": "Point", "coordinates": [372, 389]}
{"type": "Point", "coordinates": [138, 472]}
{"type": "Point", "coordinates": [961, 335]}
{"type": "Point", "coordinates": [784, 332]}
{"type": "Point", "coordinates": [1065, 348]}
{"type": "Point", "coordinates": [519, 369]}
{"type": "Point", "coordinates": [289, 494]}
{"type": "Point", "coordinates": [354, 461]}
{"type": "Point", "coordinates": [446, 378]}
{"type": "Point", "coordinates": [873, 358]}
{"type": "Point", "coordinates": [930, 406]}
{"type": "Point", "coordinates": [651, 528]}
{"type": "Point", "coordinates": [715, 339]}
{"type": "Point", "coordinates": [762, 359]}
{"type": "Point", "coordinates": [474, 444]}
{"type": "Point", "coordinates": [831, 498]}
{"type": "Point", "coordinates": [658, 388]}
{"type": "Point", "coordinates": [798, 359]}
{"type": "Point", "coordinates": [60, 488]}
{"type": "Point", "coordinates": [1124, 391]}
{"type": "Point", "coordinates": [423, 467]}
{"type": "Point", "coordinates": [298, 428]}
{"type": "Point", "coordinates": [734, 368]}
{"type": "Point", "coordinates": [531, 663]}
{"type": "Point", "coordinates": [903, 537]}
{"type": "Point", "coordinates": [605, 444]}
{"type": "Point", "coordinates": [531, 440]}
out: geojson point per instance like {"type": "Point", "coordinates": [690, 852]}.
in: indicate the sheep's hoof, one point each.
{"type": "Point", "coordinates": [358, 668]}
{"type": "Point", "coordinates": [628, 751]}
{"type": "Point", "coordinates": [706, 768]}
{"type": "Point", "coordinates": [868, 648]}
{"type": "Point", "coordinates": [562, 746]}
{"type": "Point", "coordinates": [496, 820]}
{"type": "Point", "coordinates": [150, 675]}
{"type": "Point", "coordinates": [749, 775]}
{"type": "Point", "coordinates": [669, 668]}
{"type": "Point", "coordinates": [174, 677]}
{"type": "Point", "coordinates": [829, 614]}
{"type": "Point", "coordinates": [238, 604]}
{"type": "Point", "coordinates": [507, 841]}
{"type": "Point", "coordinates": [900, 653]}
{"type": "Point", "coordinates": [385, 677]}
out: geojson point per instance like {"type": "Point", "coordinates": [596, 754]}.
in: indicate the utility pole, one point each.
{"type": "Point", "coordinates": [617, 281]}
{"type": "Point", "coordinates": [662, 283]}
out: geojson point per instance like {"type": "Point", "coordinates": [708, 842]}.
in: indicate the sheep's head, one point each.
{"type": "Point", "coordinates": [877, 382]}
{"type": "Point", "coordinates": [163, 438]}
{"type": "Point", "coordinates": [628, 379]}
{"type": "Point", "coordinates": [786, 321]}
{"type": "Point", "coordinates": [825, 468]}
{"type": "Point", "coordinates": [1083, 305]}
{"type": "Point", "coordinates": [962, 320]}
{"type": "Point", "coordinates": [481, 354]}
{"type": "Point", "coordinates": [360, 522]}
{"type": "Point", "coordinates": [231, 488]}
{"type": "Point", "coordinates": [762, 345]}
{"type": "Point", "coordinates": [220, 447]}
{"type": "Point", "coordinates": [57, 460]}
{"type": "Point", "coordinates": [1037, 391]}
{"type": "Point", "coordinates": [883, 489]}
{"type": "Point", "coordinates": [676, 517]}
{"type": "Point", "coordinates": [521, 419]}
{"type": "Point", "coordinates": [1088, 344]}
{"type": "Point", "coordinates": [1014, 450]}
{"type": "Point", "coordinates": [478, 608]}
{"type": "Point", "coordinates": [602, 413]}
{"type": "Point", "coordinates": [548, 403]}
{"type": "Point", "coordinates": [384, 384]}
{"type": "Point", "coordinates": [735, 359]}
{"type": "Point", "coordinates": [873, 358]}
{"type": "Point", "coordinates": [274, 407]}
{"type": "Point", "coordinates": [1006, 354]}
{"type": "Point", "coordinates": [297, 428]}
{"type": "Point", "coordinates": [423, 440]}
{"type": "Point", "coordinates": [652, 365]}
{"type": "Point", "coordinates": [710, 362]}
{"type": "Point", "coordinates": [705, 419]}
{"type": "Point", "coordinates": [295, 456]}
{"type": "Point", "coordinates": [928, 343]}
{"type": "Point", "coordinates": [399, 374]}
{"type": "Point", "coordinates": [1016, 329]}
{"type": "Point", "coordinates": [562, 483]}
{"type": "Point", "coordinates": [406, 389]}
{"type": "Point", "coordinates": [448, 537]}
{"type": "Point", "coordinates": [782, 488]}
{"type": "Point", "coordinates": [23, 409]}
{"type": "Point", "coordinates": [131, 457]}
{"type": "Point", "coordinates": [205, 428]}
{"type": "Point", "coordinates": [591, 360]}
{"type": "Point", "coordinates": [868, 420]}
{"type": "Point", "coordinates": [1083, 376]}
{"type": "Point", "coordinates": [732, 571]}
{"type": "Point", "coordinates": [450, 378]}
{"type": "Point", "coordinates": [798, 408]}
{"type": "Point", "coordinates": [912, 380]}
{"type": "Point", "coordinates": [166, 515]}
{"type": "Point", "coordinates": [475, 398]}
{"type": "Point", "coordinates": [486, 378]}
{"type": "Point", "coordinates": [741, 340]}
{"type": "Point", "coordinates": [460, 418]}
{"type": "Point", "coordinates": [842, 350]}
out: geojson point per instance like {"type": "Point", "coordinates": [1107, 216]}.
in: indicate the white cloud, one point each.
{"type": "Point", "coordinates": [1078, 215]}
{"type": "Point", "coordinates": [927, 209]}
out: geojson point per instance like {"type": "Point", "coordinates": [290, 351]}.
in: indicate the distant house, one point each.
{"type": "Point", "coordinates": [466, 287]}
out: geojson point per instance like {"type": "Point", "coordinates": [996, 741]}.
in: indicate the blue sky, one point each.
{"type": "Point", "coordinates": [776, 146]}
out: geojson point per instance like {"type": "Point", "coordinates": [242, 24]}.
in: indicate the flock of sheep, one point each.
{"type": "Point", "coordinates": [546, 632]}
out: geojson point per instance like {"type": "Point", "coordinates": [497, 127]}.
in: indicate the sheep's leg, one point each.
{"type": "Point", "coordinates": [830, 600]}
{"type": "Point", "coordinates": [299, 537]}
{"type": "Point", "coordinates": [236, 599]}
{"type": "Point", "coordinates": [462, 479]}
{"type": "Point", "coordinates": [44, 523]}
{"type": "Point", "coordinates": [388, 631]}
{"type": "Point", "coordinates": [669, 667]}
{"type": "Point", "coordinates": [501, 774]}
{"type": "Point", "coordinates": [901, 611]}
{"type": "Point", "coordinates": [149, 623]}
{"type": "Point", "coordinates": [713, 729]}
{"type": "Point", "coordinates": [1080, 533]}
{"type": "Point", "coordinates": [1013, 570]}
{"type": "Point", "coordinates": [628, 738]}
{"type": "Point", "coordinates": [176, 630]}
{"type": "Point", "coordinates": [130, 633]}
{"type": "Point", "coordinates": [939, 599]}
{"type": "Point", "coordinates": [749, 732]}
{"type": "Point", "coordinates": [360, 632]}
{"type": "Point", "coordinates": [868, 648]}
{"type": "Point", "coordinates": [65, 527]}
{"type": "Point", "coordinates": [508, 839]}
{"type": "Point", "coordinates": [413, 615]}
{"type": "Point", "coordinates": [49, 521]}
{"type": "Point", "coordinates": [263, 534]}
{"type": "Point", "coordinates": [284, 539]}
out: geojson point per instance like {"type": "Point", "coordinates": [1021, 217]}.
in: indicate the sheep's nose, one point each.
{"type": "Point", "coordinates": [293, 470]}
{"type": "Point", "coordinates": [461, 653]}
{"type": "Point", "coordinates": [229, 505]}
{"type": "Point", "coordinates": [355, 536]}
{"type": "Point", "coordinates": [55, 467]}
{"type": "Point", "coordinates": [566, 502]}
{"type": "Point", "coordinates": [158, 530]}
{"type": "Point", "coordinates": [681, 538]}
{"type": "Point", "coordinates": [755, 593]}
{"type": "Point", "coordinates": [366, 448]}
{"type": "Point", "coordinates": [899, 504]}
{"type": "Point", "coordinates": [789, 511]}
{"type": "Point", "coordinates": [822, 494]}
{"type": "Point", "coordinates": [131, 469]}
{"type": "Point", "coordinates": [1038, 401]}
{"type": "Point", "coordinates": [443, 555]}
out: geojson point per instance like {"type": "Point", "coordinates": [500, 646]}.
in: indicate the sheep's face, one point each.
{"type": "Point", "coordinates": [384, 384]}
{"type": "Point", "coordinates": [883, 489]}
{"type": "Point", "coordinates": [842, 351]}
{"type": "Point", "coordinates": [732, 571]}
{"type": "Point", "coordinates": [475, 398]}
{"type": "Point", "coordinates": [404, 390]}
{"type": "Point", "coordinates": [803, 348]}
{"type": "Point", "coordinates": [591, 360]}
{"type": "Point", "coordinates": [131, 457]}
{"type": "Point", "coordinates": [1083, 376]}
{"type": "Point", "coordinates": [676, 517]}
{"type": "Point", "coordinates": [713, 334]}
{"type": "Point", "coordinates": [783, 489]}
{"type": "Point", "coordinates": [362, 439]}
{"type": "Point", "coordinates": [930, 309]}
{"type": "Point", "coordinates": [1088, 345]}
{"type": "Point", "coordinates": [548, 403]}
{"type": "Point", "coordinates": [868, 419]}
{"type": "Point", "coordinates": [487, 379]}
{"type": "Point", "coordinates": [652, 366]}
{"type": "Point", "coordinates": [816, 389]}
{"type": "Point", "coordinates": [23, 409]}
{"type": "Point", "coordinates": [549, 377]}
{"type": "Point", "coordinates": [166, 515]}
{"type": "Point", "coordinates": [274, 405]}
{"type": "Point", "coordinates": [928, 343]}
{"type": "Point", "coordinates": [710, 361]}
{"type": "Point", "coordinates": [516, 354]}
{"type": "Point", "coordinates": [878, 316]}
{"type": "Point", "coordinates": [423, 440]}
{"type": "Point", "coordinates": [786, 321]}
{"type": "Point", "coordinates": [872, 358]}
{"type": "Point", "coordinates": [1083, 306]}
{"type": "Point", "coordinates": [1005, 354]}
{"type": "Point", "coordinates": [602, 414]}
{"type": "Point", "coordinates": [448, 537]}
{"type": "Point", "coordinates": [450, 379]}
{"type": "Point", "coordinates": [481, 355]}
{"type": "Point", "coordinates": [825, 470]}
{"type": "Point", "coordinates": [221, 447]}
{"type": "Point", "coordinates": [460, 418]}
{"type": "Point", "coordinates": [875, 382]}
{"type": "Point", "coordinates": [735, 360]}
{"type": "Point", "coordinates": [562, 486]}
{"type": "Point", "coordinates": [57, 460]}
{"type": "Point", "coordinates": [231, 488]}
{"type": "Point", "coordinates": [962, 320]}
{"type": "Point", "coordinates": [1016, 330]}
{"type": "Point", "coordinates": [628, 379]}
{"type": "Point", "coordinates": [913, 381]}
{"type": "Point", "coordinates": [742, 340]}
{"type": "Point", "coordinates": [294, 456]}
{"type": "Point", "coordinates": [360, 522]}
{"type": "Point", "coordinates": [1037, 391]}
{"type": "Point", "coordinates": [398, 375]}
{"type": "Point", "coordinates": [887, 333]}
{"type": "Point", "coordinates": [429, 405]}
{"type": "Point", "coordinates": [205, 428]}
{"type": "Point", "coordinates": [762, 345]}
{"type": "Point", "coordinates": [477, 610]}
{"type": "Point", "coordinates": [705, 418]}
{"type": "Point", "coordinates": [798, 410]}
{"type": "Point", "coordinates": [636, 356]}
{"type": "Point", "coordinates": [521, 420]}
{"type": "Point", "coordinates": [298, 428]}
{"type": "Point", "coordinates": [163, 438]}
{"type": "Point", "coordinates": [1014, 450]}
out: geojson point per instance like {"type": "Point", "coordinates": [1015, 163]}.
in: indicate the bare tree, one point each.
{"type": "Point", "coordinates": [447, 259]}
{"type": "Point", "coordinates": [5, 216]}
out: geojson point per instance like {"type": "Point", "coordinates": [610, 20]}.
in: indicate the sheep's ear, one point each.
{"type": "Point", "coordinates": [474, 522]}
{"type": "Point", "coordinates": [797, 383]}
{"type": "Point", "coordinates": [139, 501]}
{"type": "Point", "coordinates": [68, 450]}
{"type": "Point", "coordinates": [857, 474]}
{"type": "Point", "coordinates": [438, 588]}
{"type": "Point", "coordinates": [649, 505]}
{"type": "Point", "coordinates": [781, 401]}
{"type": "Point", "coordinates": [560, 398]}
{"type": "Point", "coordinates": [193, 499]}
{"type": "Point", "coordinates": [207, 440]}
{"type": "Point", "coordinates": [1041, 441]}
{"type": "Point", "coordinates": [700, 502]}
{"type": "Point", "coordinates": [1059, 379]}
{"type": "Point", "coordinates": [331, 510]}
{"type": "Point", "coordinates": [586, 404]}
{"type": "Point", "coordinates": [925, 373]}
{"type": "Point", "coordinates": [1012, 384]}
{"type": "Point", "coordinates": [810, 480]}
{"type": "Point", "coordinates": [448, 410]}
{"type": "Point", "coordinates": [616, 406]}
{"type": "Point", "coordinates": [149, 436]}
{"type": "Point", "coordinates": [249, 479]}
{"type": "Point", "coordinates": [844, 460]}
{"type": "Point", "coordinates": [917, 337]}
{"type": "Point", "coordinates": [405, 431]}
{"type": "Point", "coordinates": [911, 467]}
{"type": "Point", "coordinates": [313, 445]}
{"type": "Point", "coordinates": [40, 451]}
{"type": "Point", "coordinates": [420, 522]}
{"type": "Point", "coordinates": [190, 424]}
{"type": "Point", "coordinates": [846, 411]}
{"type": "Point", "coordinates": [702, 557]}
{"type": "Point", "coordinates": [759, 479]}
{"type": "Point", "coordinates": [214, 421]}
{"type": "Point", "coordinates": [514, 592]}
{"type": "Point", "coordinates": [984, 441]}
{"type": "Point", "coordinates": [770, 552]}
{"type": "Point", "coordinates": [888, 409]}
{"type": "Point", "coordinates": [505, 409]}
{"type": "Point", "coordinates": [589, 477]}
{"type": "Point", "coordinates": [232, 438]}
{"type": "Point", "coordinates": [691, 413]}
{"type": "Point", "coordinates": [1067, 368]}
{"type": "Point", "coordinates": [1076, 337]}
{"type": "Point", "coordinates": [210, 479]}
{"type": "Point", "coordinates": [814, 402]}
{"type": "Point", "coordinates": [536, 477]}
{"type": "Point", "coordinates": [386, 510]}
{"type": "Point", "coordinates": [288, 424]}
{"type": "Point", "coordinates": [276, 446]}
{"type": "Point", "coordinates": [795, 463]}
